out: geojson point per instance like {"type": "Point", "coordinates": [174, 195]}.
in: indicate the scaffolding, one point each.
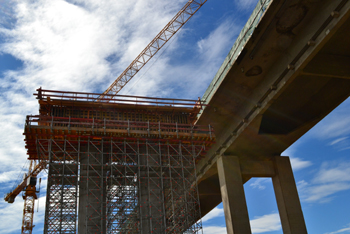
{"type": "Point", "coordinates": [126, 166]}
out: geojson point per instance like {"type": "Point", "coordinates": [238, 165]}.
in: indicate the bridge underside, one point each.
{"type": "Point", "coordinates": [292, 72]}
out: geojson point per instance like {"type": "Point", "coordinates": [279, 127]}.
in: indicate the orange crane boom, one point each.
{"type": "Point", "coordinates": [10, 197]}
{"type": "Point", "coordinates": [154, 46]}
{"type": "Point", "coordinates": [28, 185]}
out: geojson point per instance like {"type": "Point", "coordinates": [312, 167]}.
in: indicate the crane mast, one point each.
{"type": "Point", "coordinates": [154, 46]}
{"type": "Point", "coordinates": [29, 198]}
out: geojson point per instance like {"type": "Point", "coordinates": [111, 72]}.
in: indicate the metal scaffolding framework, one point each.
{"type": "Point", "coordinates": [115, 175]}
{"type": "Point", "coordinates": [127, 186]}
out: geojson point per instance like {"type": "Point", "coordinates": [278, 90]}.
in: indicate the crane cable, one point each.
{"type": "Point", "coordinates": [20, 175]}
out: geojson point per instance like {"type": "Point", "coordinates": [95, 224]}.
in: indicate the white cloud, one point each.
{"type": "Point", "coordinates": [343, 230]}
{"type": "Point", "coordinates": [341, 144]}
{"type": "Point", "coordinates": [335, 125]}
{"type": "Point", "coordinates": [331, 128]}
{"type": "Point", "coordinates": [212, 46]}
{"type": "Point", "coordinates": [259, 182]}
{"type": "Point", "coordinates": [186, 80]}
{"type": "Point", "coordinates": [214, 229]}
{"type": "Point", "coordinates": [245, 4]}
{"type": "Point", "coordinates": [322, 192]}
{"type": "Point", "coordinates": [65, 46]}
{"type": "Point", "coordinates": [333, 173]}
{"type": "Point", "coordinates": [336, 141]}
{"type": "Point", "coordinates": [329, 180]}
{"type": "Point", "coordinates": [334, 129]}
{"type": "Point", "coordinates": [12, 214]}
{"type": "Point", "coordinates": [302, 185]}
{"type": "Point", "coordinates": [39, 211]}
{"type": "Point", "coordinates": [8, 176]}
{"type": "Point", "coordinates": [216, 212]}
{"type": "Point", "coordinates": [298, 163]}
{"type": "Point", "coordinates": [6, 16]}
{"type": "Point", "coordinates": [266, 223]}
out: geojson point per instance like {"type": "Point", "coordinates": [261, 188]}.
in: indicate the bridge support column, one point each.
{"type": "Point", "coordinates": [234, 171]}
{"type": "Point", "coordinates": [233, 197]}
{"type": "Point", "coordinates": [288, 203]}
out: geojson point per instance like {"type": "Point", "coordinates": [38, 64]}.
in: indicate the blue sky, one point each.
{"type": "Point", "coordinates": [83, 45]}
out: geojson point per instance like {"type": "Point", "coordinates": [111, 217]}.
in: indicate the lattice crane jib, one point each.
{"type": "Point", "coordinates": [28, 186]}
{"type": "Point", "coordinates": [175, 24]}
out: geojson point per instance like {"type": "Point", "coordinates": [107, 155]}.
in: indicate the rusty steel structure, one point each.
{"type": "Point", "coordinates": [175, 24]}
{"type": "Point", "coordinates": [120, 166]}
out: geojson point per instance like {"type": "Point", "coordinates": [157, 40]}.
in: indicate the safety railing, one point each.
{"type": "Point", "coordinates": [104, 125]}
{"type": "Point", "coordinates": [44, 94]}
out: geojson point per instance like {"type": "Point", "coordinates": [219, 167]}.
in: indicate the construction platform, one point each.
{"type": "Point", "coordinates": [118, 165]}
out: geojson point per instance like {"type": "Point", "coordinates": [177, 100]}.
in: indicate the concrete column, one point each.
{"type": "Point", "coordinates": [233, 197]}
{"type": "Point", "coordinates": [288, 203]}
{"type": "Point", "coordinates": [88, 205]}
{"type": "Point", "coordinates": [150, 195]}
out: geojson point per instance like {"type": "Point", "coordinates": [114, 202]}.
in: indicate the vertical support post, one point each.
{"type": "Point", "coordinates": [288, 202]}
{"type": "Point", "coordinates": [143, 169]}
{"type": "Point", "coordinates": [177, 132]}
{"type": "Point", "coordinates": [233, 197]}
{"type": "Point", "coordinates": [83, 193]}
{"type": "Point", "coordinates": [184, 185]}
{"type": "Point", "coordinates": [103, 197]}
{"type": "Point", "coordinates": [171, 182]}
{"type": "Point", "coordinates": [62, 183]}
{"type": "Point", "coordinates": [149, 200]}
{"type": "Point", "coordinates": [197, 203]}
{"type": "Point", "coordinates": [148, 129]}
{"type": "Point", "coordinates": [77, 182]}
{"type": "Point", "coordinates": [128, 127]}
{"type": "Point", "coordinates": [160, 135]}
{"type": "Point", "coordinates": [210, 131]}
{"type": "Point", "coordinates": [192, 131]}
{"type": "Point", "coordinates": [162, 183]}
{"type": "Point", "coordinates": [69, 125]}
{"type": "Point", "coordinates": [47, 222]}
{"type": "Point", "coordinates": [104, 126]}
{"type": "Point", "coordinates": [52, 124]}
{"type": "Point", "coordinates": [93, 123]}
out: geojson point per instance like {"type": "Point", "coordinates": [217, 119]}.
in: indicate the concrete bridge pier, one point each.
{"type": "Point", "coordinates": [233, 172]}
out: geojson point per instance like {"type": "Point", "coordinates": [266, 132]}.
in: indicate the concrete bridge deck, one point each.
{"type": "Point", "coordinates": [293, 70]}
